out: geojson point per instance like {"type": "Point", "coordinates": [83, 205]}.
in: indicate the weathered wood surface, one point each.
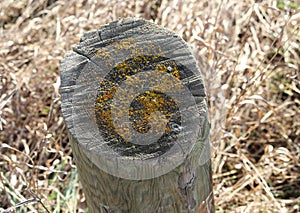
{"type": "Point", "coordinates": [135, 107]}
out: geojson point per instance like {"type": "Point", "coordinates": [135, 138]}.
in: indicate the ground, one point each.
{"type": "Point", "coordinates": [248, 52]}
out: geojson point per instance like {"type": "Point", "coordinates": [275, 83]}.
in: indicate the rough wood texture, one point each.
{"type": "Point", "coordinates": [135, 107]}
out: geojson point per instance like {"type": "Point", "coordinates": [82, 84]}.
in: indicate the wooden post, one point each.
{"type": "Point", "coordinates": [136, 110]}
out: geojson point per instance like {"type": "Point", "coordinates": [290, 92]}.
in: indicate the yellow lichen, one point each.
{"type": "Point", "coordinates": [142, 54]}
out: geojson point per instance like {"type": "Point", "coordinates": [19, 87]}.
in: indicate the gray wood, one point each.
{"type": "Point", "coordinates": [164, 167]}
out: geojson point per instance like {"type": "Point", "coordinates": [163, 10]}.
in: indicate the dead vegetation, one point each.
{"type": "Point", "coordinates": [249, 56]}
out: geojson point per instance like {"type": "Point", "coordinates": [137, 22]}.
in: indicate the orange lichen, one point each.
{"type": "Point", "coordinates": [143, 55]}
{"type": "Point", "coordinates": [149, 102]}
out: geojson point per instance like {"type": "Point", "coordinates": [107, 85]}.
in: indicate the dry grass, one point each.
{"type": "Point", "coordinates": [250, 59]}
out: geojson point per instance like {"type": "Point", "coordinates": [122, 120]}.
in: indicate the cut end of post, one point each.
{"type": "Point", "coordinates": [135, 105]}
